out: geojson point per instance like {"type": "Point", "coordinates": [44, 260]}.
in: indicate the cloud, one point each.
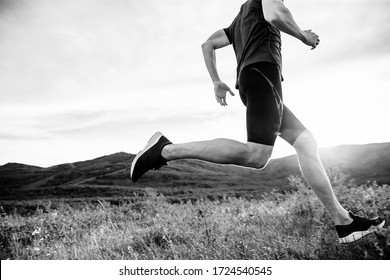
{"type": "Point", "coordinates": [59, 49]}
{"type": "Point", "coordinates": [7, 6]}
{"type": "Point", "coordinates": [14, 137]}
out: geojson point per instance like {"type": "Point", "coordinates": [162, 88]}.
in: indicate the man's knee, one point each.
{"type": "Point", "coordinates": [258, 155]}
{"type": "Point", "coordinates": [306, 143]}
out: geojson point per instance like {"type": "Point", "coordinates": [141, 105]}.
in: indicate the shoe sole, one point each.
{"type": "Point", "coordinates": [152, 141]}
{"type": "Point", "coordinates": [359, 234]}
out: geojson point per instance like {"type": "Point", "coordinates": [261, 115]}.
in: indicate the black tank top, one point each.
{"type": "Point", "coordinates": [253, 38]}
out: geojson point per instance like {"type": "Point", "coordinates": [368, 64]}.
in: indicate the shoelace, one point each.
{"type": "Point", "coordinates": [361, 209]}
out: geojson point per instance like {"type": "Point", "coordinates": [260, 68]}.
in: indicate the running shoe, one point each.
{"type": "Point", "coordinates": [358, 228]}
{"type": "Point", "coordinates": [150, 157]}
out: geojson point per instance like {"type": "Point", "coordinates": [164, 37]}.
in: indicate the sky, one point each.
{"type": "Point", "coordinates": [81, 79]}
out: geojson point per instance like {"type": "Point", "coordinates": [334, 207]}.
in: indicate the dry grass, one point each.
{"type": "Point", "coordinates": [279, 226]}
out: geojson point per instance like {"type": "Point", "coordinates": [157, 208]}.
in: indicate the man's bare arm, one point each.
{"type": "Point", "coordinates": [277, 14]}
{"type": "Point", "coordinates": [216, 41]}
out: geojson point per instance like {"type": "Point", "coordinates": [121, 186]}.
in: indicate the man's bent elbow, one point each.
{"type": "Point", "coordinates": [207, 46]}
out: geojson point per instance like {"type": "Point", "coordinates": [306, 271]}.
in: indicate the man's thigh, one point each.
{"type": "Point", "coordinates": [291, 127]}
{"type": "Point", "coordinates": [260, 91]}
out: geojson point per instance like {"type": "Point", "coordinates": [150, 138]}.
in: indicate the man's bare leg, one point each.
{"type": "Point", "coordinates": [316, 177]}
{"type": "Point", "coordinates": [223, 151]}
{"type": "Point", "coordinates": [159, 150]}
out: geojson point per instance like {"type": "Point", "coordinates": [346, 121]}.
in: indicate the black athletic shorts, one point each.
{"type": "Point", "coordinates": [266, 115]}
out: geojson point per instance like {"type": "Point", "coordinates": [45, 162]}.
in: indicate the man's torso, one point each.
{"type": "Point", "coordinates": [253, 38]}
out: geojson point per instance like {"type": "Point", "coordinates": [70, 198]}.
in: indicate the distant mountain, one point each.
{"type": "Point", "coordinates": [108, 177]}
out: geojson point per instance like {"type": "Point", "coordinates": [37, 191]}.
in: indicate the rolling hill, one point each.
{"type": "Point", "coordinates": [108, 178]}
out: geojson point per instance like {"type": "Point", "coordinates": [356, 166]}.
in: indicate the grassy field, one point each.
{"type": "Point", "coordinates": [292, 225]}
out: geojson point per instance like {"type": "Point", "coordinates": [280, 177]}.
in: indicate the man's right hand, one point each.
{"type": "Point", "coordinates": [220, 90]}
{"type": "Point", "coordinates": [277, 14]}
{"type": "Point", "coordinates": [310, 39]}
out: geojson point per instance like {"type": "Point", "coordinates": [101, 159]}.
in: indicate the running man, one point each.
{"type": "Point", "coordinates": [255, 36]}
